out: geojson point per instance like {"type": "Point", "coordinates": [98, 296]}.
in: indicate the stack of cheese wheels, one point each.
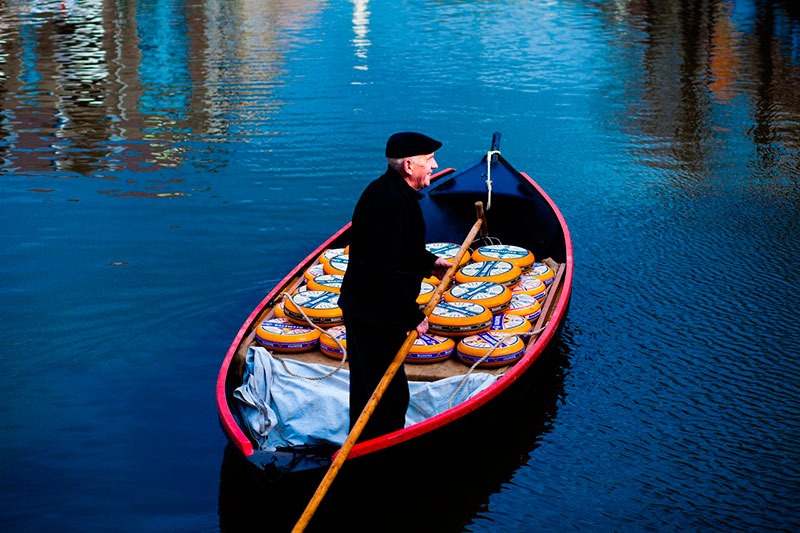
{"type": "Point", "coordinates": [327, 342]}
{"type": "Point", "coordinates": [459, 318]}
{"type": "Point", "coordinates": [524, 305]}
{"type": "Point", "coordinates": [542, 272]}
{"type": "Point", "coordinates": [447, 250]}
{"type": "Point", "coordinates": [326, 282]}
{"type": "Point", "coordinates": [426, 291]}
{"type": "Point", "coordinates": [505, 252]}
{"type": "Point", "coordinates": [491, 295]}
{"type": "Point", "coordinates": [506, 323]}
{"type": "Point", "coordinates": [509, 349]}
{"type": "Point", "coordinates": [337, 264]}
{"type": "Point", "coordinates": [502, 272]}
{"type": "Point", "coordinates": [314, 271]}
{"type": "Point", "coordinates": [529, 284]}
{"type": "Point", "coordinates": [322, 308]}
{"type": "Point", "coordinates": [326, 255]}
{"type": "Point", "coordinates": [430, 349]}
{"type": "Point", "coordinates": [281, 335]}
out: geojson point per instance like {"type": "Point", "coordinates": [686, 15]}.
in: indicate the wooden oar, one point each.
{"type": "Point", "coordinates": [398, 360]}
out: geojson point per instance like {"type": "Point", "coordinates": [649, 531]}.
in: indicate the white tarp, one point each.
{"type": "Point", "coordinates": [284, 410]}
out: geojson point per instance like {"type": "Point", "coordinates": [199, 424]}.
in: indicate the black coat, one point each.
{"type": "Point", "coordinates": [388, 259]}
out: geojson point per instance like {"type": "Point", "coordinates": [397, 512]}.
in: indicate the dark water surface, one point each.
{"type": "Point", "coordinates": [164, 163]}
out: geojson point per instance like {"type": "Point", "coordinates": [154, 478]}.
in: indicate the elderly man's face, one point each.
{"type": "Point", "coordinates": [421, 168]}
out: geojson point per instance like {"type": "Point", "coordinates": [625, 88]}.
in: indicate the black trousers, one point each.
{"type": "Point", "coordinates": [370, 350]}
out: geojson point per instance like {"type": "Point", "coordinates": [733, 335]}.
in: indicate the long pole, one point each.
{"type": "Point", "coordinates": [363, 418]}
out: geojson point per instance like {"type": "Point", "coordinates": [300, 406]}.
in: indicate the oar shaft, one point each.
{"type": "Point", "coordinates": [363, 418]}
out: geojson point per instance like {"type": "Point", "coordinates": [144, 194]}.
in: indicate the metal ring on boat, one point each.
{"type": "Point", "coordinates": [543, 272]}
{"type": "Point", "coordinates": [517, 255]}
{"type": "Point", "coordinates": [471, 349]}
{"type": "Point", "coordinates": [459, 318]}
{"type": "Point", "coordinates": [327, 344]}
{"type": "Point", "coordinates": [529, 284]}
{"type": "Point", "coordinates": [337, 264]}
{"type": "Point", "coordinates": [494, 296]}
{"type": "Point", "coordinates": [281, 335]}
{"type": "Point", "coordinates": [525, 305]}
{"type": "Point", "coordinates": [506, 323]}
{"type": "Point", "coordinates": [430, 349]}
{"type": "Point", "coordinates": [502, 272]}
{"type": "Point", "coordinates": [326, 282]}
{"type": "Point", "coordinates": [322, 307]}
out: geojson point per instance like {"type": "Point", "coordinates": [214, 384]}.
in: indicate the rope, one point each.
{"type": "Point", "coordinates": [500, 338]}
{"type": "Point", "coordinates": [287, 296]}
{"type": "Point", "coordinates": [489, 155]}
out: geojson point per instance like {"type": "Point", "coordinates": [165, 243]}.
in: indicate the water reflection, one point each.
{"type": "Point", "coordinates": [96, 86]}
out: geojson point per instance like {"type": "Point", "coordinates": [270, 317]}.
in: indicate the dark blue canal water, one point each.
{"type": "Point", "coordinates": [164, 163]}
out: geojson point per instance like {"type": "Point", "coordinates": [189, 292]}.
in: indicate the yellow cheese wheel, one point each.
{"type": "Point", "coordinates": [328, 345]}
{"type": "Point", "coordinates": [521, 257]}
{"type": "Point", "coordinates": [430, 349]}
{"type": "Point", "coordinates": [326, 282]}
{"type": "Point", "coordinates": [471, 349]}
{"type": "Point", "coordinates": [525, 305]}
{"type": "Point", "coordinates": [313, 271]}
{"type": "Point", "coordinates": [493, 296]}
{"type": "Point", "coordinates": [426, 291]}
{"type": "Point", "coordinates": [281, 335]}
{"type": "Point", "coordinates": [337, 264]}
{"type": "Point", "coordinates": [322, 307]}
{"type": "Point", "coordinates": [326, 255]}
{"type": "Point", "coordinates": [459, 318]}
{"type": "Point", "coordinates": [543, 272]}
{"type": "Point", "coordinates": [506, 323]}
{"type": "Point", "coordinates": [447, 250]}
{"type": "Point", "coordinates": [529, 284]}
{"type": "Point", "coordinates": [279, 311]}
{"type": "Point", "coordinates": [502, 272]}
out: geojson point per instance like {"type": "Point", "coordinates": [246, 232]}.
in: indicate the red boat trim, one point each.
{"type": "Point", "coordinates": [531, 354]}
{"type": "Point", "coordinates": [227, 420]}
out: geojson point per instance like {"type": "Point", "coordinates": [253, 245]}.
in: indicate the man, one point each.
{"type": "Point", "coordinates": [388, 260]}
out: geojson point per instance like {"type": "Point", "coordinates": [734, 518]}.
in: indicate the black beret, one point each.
{"type": "Point", "coordinates": [409, 144]}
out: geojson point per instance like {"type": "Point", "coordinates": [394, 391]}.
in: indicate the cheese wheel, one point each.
{"type": "Point", "coordinates": [326, 255]}
{"type": "Point", "coordinates": [326, 282]}
{"type": "Point", "coordinates": [502, 272]}
{"type": "Point", "coordinates": [328, 345]}
{"type": "Point", "coordinates": [459, 318]}
{"type": "Point", "coordinates": [471, 349]}
{"type": "Point", "coordinates": [322, 307]}
{"type": "Point", "coordinates": [430, 349]}
{"type": "Point", "coordinates": [447, 250]}
{"type": "Point", "coordinates": [313, 271]}
{"type": "Point", "coordinates": [529, 284]}
{"type": "Point", "coordinates": [337, 264]}
{"type": "Point", "coordinates": [426, 291]}
{"type": "Point", "coordinates": [279, 311]}
{"type": "Point", "coordinates": [524, 305]}
{"type": "Point", "coordinates": [521, 257]}
{"type": "Point", "coordinates": [506, 323]}
{"type": "Point", "coordinates": [491, 295]}
{"type": "Point", "coordinates": [542, 272]}
{"type": "Point", "coordinates": [281, 335]}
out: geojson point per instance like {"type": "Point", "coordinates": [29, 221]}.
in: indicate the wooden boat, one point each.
{"type": "Point", "coordinates": [518, 212]}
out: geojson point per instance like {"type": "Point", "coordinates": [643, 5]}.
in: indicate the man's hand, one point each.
{"type": "Point", "coordinates": [440, 267]}
{"type": "Point", "coordinates": [422, 327]}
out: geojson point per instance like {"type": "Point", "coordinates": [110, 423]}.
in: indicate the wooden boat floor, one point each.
{"type": "Point", "coordinates": [449, 367]}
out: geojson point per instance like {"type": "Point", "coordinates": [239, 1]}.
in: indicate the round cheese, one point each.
{"type": "Point", "coordinates": [447, 250]}
{"type": "Point", "coordinates": [326, 282]}
{"type": "Point", "coordinates": [531, 285]}
{"type": "Point", "coordinates": [281, 335]}
{"type": "Point", "coordinates": [337, 264]}
{"type": "Point", "coordinates": [328, 345]}
{"type": "Point", "coordinates": [521, 257]}
{"type": "Point", "coordinates": [426, 291]}
{"type": "Point", "coordinates": [430, 349]}
{"type": "Point", "coordinates": [326, 255]}
{"type": "Point", "coordinates": [459, 318]}
{"type": "Point", "coordinates": [506, 323]}
{"type": "Point", "coordinates": [322, 307]}
{"type": "Point", "coordinates": [524, 305]}
{"type": "Point", "coordinates": [313, 271]}
{"type": "Point", "coordinates": [494, 296]}
{"type": "Point", "coordinates": [471, 349]}
{"type": "Point", "coordinates": [542, 272]}
{"type": "Point", "coordinates": [502, 272]}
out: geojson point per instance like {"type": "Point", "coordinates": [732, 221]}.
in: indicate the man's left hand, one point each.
{"type": "Point", "coordinates": [440, 267]}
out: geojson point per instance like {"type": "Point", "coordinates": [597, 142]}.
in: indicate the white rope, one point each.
{"type": "Point", "coordinates": [489, 155]}
{"type": "Point", "coordinates": [287, 296]}
{"type": "Point", "coordinates": [500, 338]}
